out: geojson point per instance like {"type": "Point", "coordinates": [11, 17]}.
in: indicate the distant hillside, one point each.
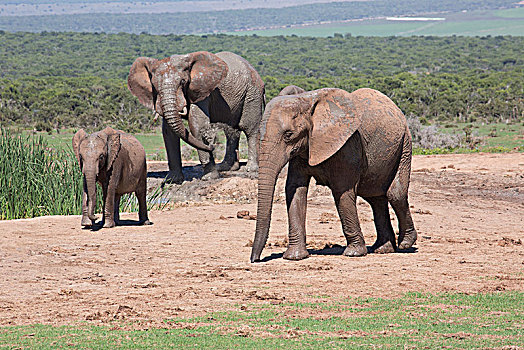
{"type": "Point", "coordinates": [238, 20]}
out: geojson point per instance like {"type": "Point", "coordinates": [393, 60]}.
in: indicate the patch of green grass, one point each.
{"type": "Point", "coordinates": [476, 23]}
{"type": "Point", "coordinates": [486, 137]}
{"type": "Point", "coordinates": [153, 142]}
{"type": "Point", "coordinates": [495, 137]}
{"type": "Point", "coordinates": [511, 13]}
{"type": "Point", "coordinates": [414, 321]}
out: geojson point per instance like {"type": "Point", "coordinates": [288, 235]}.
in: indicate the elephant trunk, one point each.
{"type": "Point", "coordinates": [90, 183]}
{"type": "Point", "coordinates": [267, 179]}
{"type": "Point", "coordinates": [174, 121]}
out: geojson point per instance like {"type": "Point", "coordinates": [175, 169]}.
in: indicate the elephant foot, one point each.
{"type": "Point", "coordinates": [109, 224]}
{"type": "Point", "coordinates": [382, 248]}
{"type": "Point", "coordinates": [174, 178]}
{"type": "Point", "coordinates": [86, 222]}
{"type": "Point", "coordinates": [296, 253]}
{"type": "Point", "coordinates": [225, 166]}
{"type": "Point", "coordinates": [251, 167]}
{"type": "Point", "coordinates": [355, 250]}
{"type": "Point", "coordinates": [146, 222]}
{"type": "Point", "coordinates": [210, 172]}
{"type": "Point", "coordinates": [407, 240]}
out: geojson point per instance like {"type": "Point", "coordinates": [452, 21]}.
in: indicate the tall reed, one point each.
{"type": "Point", "coordinates": [36, 180]}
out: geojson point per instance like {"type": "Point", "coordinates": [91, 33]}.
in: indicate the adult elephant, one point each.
{"type": "Point", "coordinates": [208, 90]}
{"type": "Point", "coordinates": [356, 144]}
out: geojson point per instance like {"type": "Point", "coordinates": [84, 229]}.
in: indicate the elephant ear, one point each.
{"type": "Point", "coordinates": [207, 71]}
{"type": "Point", "coordinates": [139, 80]}
{"type": "Point", "coordinates": [77, 139]}
{"type": "Point", "coordinates": [334, 120]}
{"type": "Point", "coordinates": [113, 147]}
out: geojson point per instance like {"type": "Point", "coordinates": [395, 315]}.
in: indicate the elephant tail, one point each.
{"type": "Point", "coordinates": [405, 158]}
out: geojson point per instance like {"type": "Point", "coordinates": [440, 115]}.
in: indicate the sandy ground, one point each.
{"type": "Point", "coordinates": [468, 209]}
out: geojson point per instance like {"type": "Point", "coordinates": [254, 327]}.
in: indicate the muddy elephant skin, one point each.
{"type": "Point", "coordinates": [117, 161]}
{"type": "Point", "coordinates": [356, 144]}
{"type": "Point", "coordinates": [210, 90]}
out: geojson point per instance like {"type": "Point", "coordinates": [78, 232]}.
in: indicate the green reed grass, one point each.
{"type": "Point", "coordinates": [37, 180]}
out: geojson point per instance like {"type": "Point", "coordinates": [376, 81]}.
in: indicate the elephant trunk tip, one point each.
{"type": "Point", "coordinates": [255, 258]}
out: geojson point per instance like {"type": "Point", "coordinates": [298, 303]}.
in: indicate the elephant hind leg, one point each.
{"type": "Point", "coordinates": [407, 235]}
{"type": "Point", "coordinates": [385, 242]}
{"type": "Point", "coordinates": [142, 203]}
{"type": "Point", "coordinates": [398, 198]}
{"type": "Point", "coordinates": [231, 161]}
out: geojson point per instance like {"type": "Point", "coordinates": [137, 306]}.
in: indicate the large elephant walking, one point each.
{"type": "Point", "coordinates": [356, 144]}
{"type": "Point", "coordinates": [208, 90]}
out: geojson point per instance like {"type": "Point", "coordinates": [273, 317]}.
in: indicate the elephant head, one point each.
{"type": "Point", "coordinates": [170, 85]}
{"type": "Point", "coordinates": [96, 154]}
{"type": "Point", "coordinates": [313, 125]}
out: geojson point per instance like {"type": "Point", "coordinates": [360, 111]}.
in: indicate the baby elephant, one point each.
{"type": "Point", "coordinates": [117, 161]}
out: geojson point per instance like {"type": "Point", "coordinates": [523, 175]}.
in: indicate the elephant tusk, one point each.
{"type": "Point", "coordinates": [155, 116]}
{"type": "Point", "coordinates": [184, 111]}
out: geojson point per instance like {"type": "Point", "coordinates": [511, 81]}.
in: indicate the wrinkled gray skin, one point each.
{"type": "Point", "coordinates": [218, 91]}
{"type": "Point", "coordinates": [356, 144]}
{"type": "Point", "coordinates": [117, 161]}
{"type": "Point", "coordinates": [291, 90]}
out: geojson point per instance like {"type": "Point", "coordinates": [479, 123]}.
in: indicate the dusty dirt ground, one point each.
{"type": "Point", "coordinates": [468, 209]}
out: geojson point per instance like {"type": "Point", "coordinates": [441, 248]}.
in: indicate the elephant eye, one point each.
{"type": "Point", "coordinates": [183, 82]}
{"type": "Point", "coordinates": [288, 135]}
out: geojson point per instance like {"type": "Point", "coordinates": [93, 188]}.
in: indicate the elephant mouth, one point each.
{"type": "Point", "coordinates": [157, 115]}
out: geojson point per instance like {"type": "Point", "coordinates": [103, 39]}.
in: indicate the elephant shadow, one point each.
{"type": "Point", "coordinates": [99, 225]}
{"type": "Point", "coordinates": [336, 249]}
{"type": "Point", "coordinates": [192, 172]}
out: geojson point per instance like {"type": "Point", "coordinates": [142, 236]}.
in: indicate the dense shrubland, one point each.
{"type": "Point", "coordinates": [55, 80]}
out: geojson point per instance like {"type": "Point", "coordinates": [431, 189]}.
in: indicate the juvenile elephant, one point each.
{"type": "Point", "coordinates": [117, 161]}
{"type": "Point", "coordinates": [291, 90]}
{"type": "Point", "coordinates": [356, 144]}
{"type": "Point", "coordinates": [204, 88]}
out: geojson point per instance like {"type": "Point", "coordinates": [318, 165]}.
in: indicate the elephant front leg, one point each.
{"type": "Point", "coordinates": [86, 222]}
{"type": "Point", "coordinates": [200, 127]}
{"type": "Point", "coordinates": [109, 205]}
{"type": "Point", "coordinates": [174, 159]}
{"type": "Point", "coordinates": [347, 210]}
{"type": "Point", "coordinates": [296, 199]}
{"type": "Point", "coordinates": [116, 214]}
